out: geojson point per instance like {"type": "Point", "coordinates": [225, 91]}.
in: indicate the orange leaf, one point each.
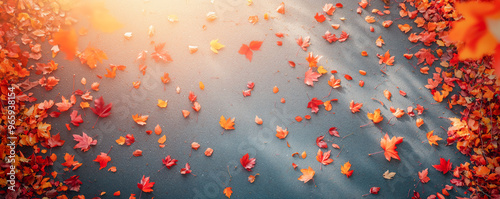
{"type": "Point", "coordinates": [162, 104]}
{"type": "Point", "coordinates": [370, 19]}
{"type": "Point", "coordinates": [361, 83]}
{"type": "Point", "coordinates": [422, 175]}
{"type": "Point", "coordinates": [387, 94]}
{"type": "Point", "coordinates": [386, 59]}
{"type": "Point", "coordinates": [344, 169]}
{"type": "Point", "coordinates": [433, 138]}
{"type": "Point", "coordinates": [334, 83]}
{"type": "Point", "coordinates": [209, 152]}
{"type": "Point", "coordinates": [91, 56]}
{"type": "Point", "coordinates": [185, 113]}
{"type": "Point", "coordinates": [258, 120]}
{"type": "Point", "coordinates": [141, 120]}
{"type": "Point", "coordinates": [195, 145]}
{"type": "Point", "coordinates": [165, 78]}
{"type": "Point", "coordinates": [303, 155]}
{"type": "Point", "coordinates": [375, 116]}
{"type": "Point", "coordinates": [120, 140]}
{"type": "Point", "coordinates": [158, 129]}
{"type": "Point", "coordinates": [227, 124]}
{"type": "Point", "coordinates": [162, 139]}
{"type": "Point", "coordinates": [419, 122]}
{"type": "Point", "coordinates": [389, 146]}
{"type": "Point", "coordinates": [112, 169]}
{"type": "Point", "coordinates": [298, 119]}
{"type": "Point", "coordinates": [227, 191]}
{"type": "Point", "coordinates": [281, 8]}
{"type": "Point", "coordinates": [364, 53]}
{"type": "Point", "coordinates": [362, 72]}
{"type": "Point", "coordinates": [280, 133]}
{"type": "Point", "coordinates": [251, 178]}
{"type": "Point", "coordinates": [202, 86]}
{"type": "Point", "coordinates": [275, 89]}
{"type": "Point", "coordinates": [404, 28]}
{"type": "Point", "coordinates": [355, 106]}
{"type": "Point", "coordinates": [137, 153]}
{"type": "Point", "coordinates": [136, 84]}
{"type": "Point", "coordinates": [307, 174]}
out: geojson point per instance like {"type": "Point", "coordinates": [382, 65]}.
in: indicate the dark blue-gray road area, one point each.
{"type": "Point", "coordinates": [225, 75]}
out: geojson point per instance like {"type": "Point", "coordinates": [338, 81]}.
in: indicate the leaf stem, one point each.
{"type": "Point", "coordinates": [375, 153]}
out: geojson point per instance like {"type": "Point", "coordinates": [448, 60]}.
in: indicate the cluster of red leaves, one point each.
{"type": "Point", "coordinates": [475, 133]}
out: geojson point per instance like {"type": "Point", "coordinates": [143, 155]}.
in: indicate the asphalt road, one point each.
{"type": "Point", "coordinates": [225, 75]}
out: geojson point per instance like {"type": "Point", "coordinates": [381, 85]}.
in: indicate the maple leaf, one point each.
{"type": "Point", "coordinates": [324, 158]}
{"type": "Point", "coordinates": [141, 120]}
{"type": "Point", "coordinates": [103, 160]}
{"type": "Point", "coordinates": [443, 166]}
{"type": "Point", "coordinates": [192, 96]}
{"type": "Point", "coordinates": [397, 112]}
{"type": "Point", "coordinates": [227, 124]}
{"type": "Point", "coordinates": [75, 118]}
{"type": "Point", "coordinates": [404, 28]}
{"type": "Point", "coordinates": [209, 152]}
{"type": "Point", "coordinates": [162, 104]}
{"type": "Point", "coordinates": [370, 19]}
{"type": "Point", "coordinates": [433, 138]}
{"type": "Point", "coordinates": [388, 175]}
{"type": "Point", "coordinates": [145, 185]}
{"type": "Point", "coordinates": [129, 139]}
{"type": "Point", "coordinates": [374, 190]}
{"type": "Point", "coordinates": [313, 60]}
{"type": "Point", "coordinates": [160, 55]}
{"type": "Point", "coordinates": [311, 77]}
{"type": "Point", "coordinates": [422, 175]}
{"type": "Point", "coordinates": [137, 153]}
{"type": "Point", "coordinates": [425, 55]}
{"type": "Point", "coordinates": [84, 142]}
{"type": "Point", "coordinates": [320, 142]}
{"type": "Point", "coordinates": [333, 132]}
{"type": "Point", "coordinates": [70, 161]}
{"type": "Point", "coordinates": [355, 106]}
{"type": "Point", "coordinates": [215, 46]}
{"type": "Point", "coordinates": [74, 183]}
{"type": "Point", "coordinates": [165, 78]}
{"type": "Point", "coordinates": [55, 140]}
{"type": "Point", "coordinates": [389, 146]}
{"type": "Point", "coordinates": [303, 43]}
{"type": "Point", "coordinates": [387, 94]}
{"type": "Point", "coordinates": [330, 37]}
{"type": "Point", "coordinates": [91, 56]}
{"type": "Point", "coordinates": [101, 110]}
{"type": "Point", "coordinates": [186, 169]}
{"type": "Point", "coordinates": [227, 191]}
{"type": "Point", "coordinates": [64, 105]}
{"type": "Point", "coordinates": [344, 169]}
{"type": "Point", "coordinates": [247, 163]}
{"type": "Point", "coordinates": [67, 41]}
{"type": "Point", "coordinates": [307, 174]}
{"type": "Point", "coordinates": [313, 104]}
{"type": "Point", "coordinates": [258, 120]}
{"type": "Point", "coordinates": [280, 133]}
{"type": "Point", "coordinates": [343, 36]}
{"type": "Point", "coordinates": [375, 116]}
{"type": "Point", "coordinates": [49, 85]}
{"type": "Point", "coordinates": [169, 162]}
{"type": "Point", "coordinates": [386, 59]}
{"type": "Point", "coordinates": [111, 73]}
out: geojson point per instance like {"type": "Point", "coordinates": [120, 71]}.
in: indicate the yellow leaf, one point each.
{"type": "Point", "coordinates": [162, 104]}
{"type": "Point", "coordinates": [120, 140]}
{"type": "Point", "coordinates": [215, 45]}
{"type": "Point", "coordinates": [322, 70]}
{"type": "Point", "coordinates": [84, 105]}
{"type": "Point", "coordinates": [202, 86]}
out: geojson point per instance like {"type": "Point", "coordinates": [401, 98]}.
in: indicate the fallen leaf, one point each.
{"type": "Point", "coordinates": [209, 152]}
{"type": "Point", "coordinates": [247, 163]}
{"type": "Point", "coordinates": [422, 175]}
{"type": "Point", "coordinates": [433, 138]}
{"type": "Point", "coordinates": [103, 160]}
{"type": "Point", "coordinates": [145, 185]}
{"type": "Point", "coordinates": [444, 165]}
{"type": "Point", "coordinates": [215, 46]}
{"type": "Point", "coordinates": [324, 158]}
{"type": "Point", "coordinates": [375, 116]}
{"type": "Point", "coordinates": [258, 120]}
{"type": "Point", "coordinates": [389, 146]}
{"type": "Point", "coordinates": [388, 175]}
{"type": "Point", "coordinates": [141, 120]}
{"type": "Point", "coordinates": [227, 191]}
{"type": "Point", "coordinates": [355, 106]}
{"type": "Point", "coordinates": [311, 77]}
{"type": "Point", "coordinates": [280, 133]}
{"type": "Point", "coordinates": [162, 139]}
{"type": "Point", "coordinates": [307, 174]}
{"type": "Point", "coordinates": [227, 124]}
{"type": "Point", "coordinates": [84, 142]}
{"type": "Point", "coordinates": [344, 169]}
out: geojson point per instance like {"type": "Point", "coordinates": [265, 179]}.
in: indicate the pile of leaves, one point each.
{"type": "Point", "coordinates": [474, 134]}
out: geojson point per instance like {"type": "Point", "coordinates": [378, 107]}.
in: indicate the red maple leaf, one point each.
{"type": "Point", "coordinates": [311, 77]}
{"type": "Point", "coordinates": [324, 158]}
{"type": "Point", "coordinates": [186, 170]}
{"type": "Point", "coordinates": [101, 109]}
{"type": "Point", "coordinates": [145, 185]}
{"type": "Point", "coordinates": [75, 118]}
{"type": "Point", "coordinates": [389, 146]}
{"type": "Point", "coordinates": [55, 140]}
{"type": "Point", "coordinates": [169, 162]}
{"type": "Point", "coordinates": [320, 142]}
{"type": "Point", "coordinates": [313, 104]}
{"type": "Point", "coordinates": [303, 43]}
{"type": "Point", "coordinates": [355, 106]}
{"type": "Point", "coordinates": [330, 37]}
{"type": "Point", "coordinates": [443, 166]}
{"type": "Point", "coordinates": [84, 142]}
{"type": "Point", "coordinates": [386, 59]}
{"type": "Point", "coordinates": [73, 183]}
{"type": "Point", "coordinates": [425, 55]}
{"type": "Point", "coordinates": [247, 163]}
{"type": "Point", "coordinates": [103, 160]}
{"type": "Point", "coordinates": [343, 37]}
{"type": "Point", "coordinates": [422, 175]}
